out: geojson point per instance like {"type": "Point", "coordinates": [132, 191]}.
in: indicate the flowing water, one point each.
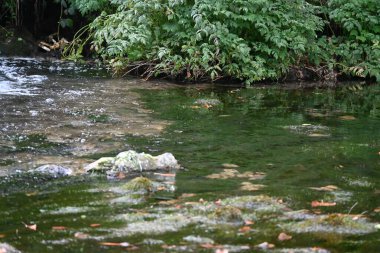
{"type": "Point", "coordinates": [302, 162]}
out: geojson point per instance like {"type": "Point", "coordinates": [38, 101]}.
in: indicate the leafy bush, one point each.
{"type": "Point", "coordinates": [357, 44]}
{"type": "Point", "coordinates": [206, 39]}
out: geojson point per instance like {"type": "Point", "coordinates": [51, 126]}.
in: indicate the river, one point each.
{"type": "Point", "coordinates": [257, 162]}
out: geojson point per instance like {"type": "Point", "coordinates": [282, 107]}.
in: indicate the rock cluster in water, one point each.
{"type": "Point", "coordinates": [131, 162]}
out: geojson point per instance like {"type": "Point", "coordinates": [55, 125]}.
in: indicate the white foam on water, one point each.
{"type": "Point", "coordinates": [14, 80]}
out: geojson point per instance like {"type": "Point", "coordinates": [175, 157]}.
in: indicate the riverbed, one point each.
{"type": "Point", "coordinates": [256, 162]}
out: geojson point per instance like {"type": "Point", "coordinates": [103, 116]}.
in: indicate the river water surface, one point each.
{"type": "Point", "coordinates": [301, 162]}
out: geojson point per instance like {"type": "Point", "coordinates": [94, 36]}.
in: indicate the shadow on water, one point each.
{"type": "Point", "coordinates": [257, 162]}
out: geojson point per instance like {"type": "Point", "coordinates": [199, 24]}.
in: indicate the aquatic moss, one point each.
{"type": "Point", "coordinates": [228, 214]}
{"type": "Point", "coordinates": [139, 184]}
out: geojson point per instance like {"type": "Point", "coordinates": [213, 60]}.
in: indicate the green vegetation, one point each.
{"type": "Point", "coordinates": [247, 40]}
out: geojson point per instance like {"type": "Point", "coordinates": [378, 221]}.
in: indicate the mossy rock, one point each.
{"type": "Point", "coordinates": [333, 223]}
{"type": "Point", "coordinates": [140, 184]}
{"type": "Point", "coordinates": [228, 214]}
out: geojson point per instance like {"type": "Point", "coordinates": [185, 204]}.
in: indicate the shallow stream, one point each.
{"type": "Point", "coordinates": [256, 162]}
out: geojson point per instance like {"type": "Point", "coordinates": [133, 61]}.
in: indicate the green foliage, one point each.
{"type": "Point", "coordinates": [8, 10]}
{"type": "Point", "coordinates": [207, 39]}
{"type": "Point", "coordinates": [353, 48]}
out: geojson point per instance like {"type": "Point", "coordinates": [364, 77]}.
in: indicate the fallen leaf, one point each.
{"type": "Point", "coordinates": [377, 210]}
{"type": "Point", "coordinates": [58, 228]}
{"type": "Point", "coordinates": [187, 195]}
{"type": "Point", "coordinates": [247, 186]}
{"type": "Point", "coordinates": [249, 222]}
{"type": "Point", "coordinates": [318, 135]}
{"type": "Point", "coordinates": [165, 174]}
{"type": "Point", "coordinates": [95, 225]}
{"type": "Point", "coordinates": [165, 246]}
{"type": "Point", "coordinates": [31, 193]}
{"type": "Point", "coordinates": [230, 165]}
{"type": "Point", "coordinates": [221, 251]}
{"type": "Point", "coordinates": [265, 245]}
{"type": "Point", "coordinates": [325, 188]}
{"type": "Point", "coordinates": [161, 188]}
{"type": "Point", "coordinates": [120, 244]}
{"type": "Point", "coordinates": [347, 117]}
{"type": "Point", "coordinates": [207, 245]}
{"type": "Point", "coordinates": [2, 235]}
{"type": "Point", "coordinates": [31, 227]}
{"type": "Point", "coordinates": [245, 229]}
{"type": "Point", "coordinates": [316, 203]}
{"type": "Point", "coordinates": [81, 235]}
{"type": "Point", "coordinates": [284, 237]}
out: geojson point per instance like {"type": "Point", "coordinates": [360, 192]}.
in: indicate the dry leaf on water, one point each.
{"type": "Point", "coordinates": [347, 117]}
{"type": "Point", "coordinates": [2, 235]}
{"type": "Point", "coordinates": [328, 188]}
{"type": "Point", "coordinates": [95, 225]}
{"type": "Point", "coordinates": [377, 210]}
{"type": "Point", "coordinates": [58, 228]}
{"type": "Point", "coordinates": [120, 244]}
{"type": "Point", "coordinates": [232, 173]}
{"type": "Point", "coordinates": [247, 186]}
{"type": "Point", "coordinates": [81, 235]}
{"type": "Point", "coordinates": [316, 203]}
{"type": "Point", "coordinates": [165, 174]}
{"type": "Point", "coordinates": [284, 237]}
{"type": "Point", "coordinates": [230, 165]}
{"type": "Point", "coordinates": [245, 229]}
{"type": "Point", "coordinates": [31, 226]}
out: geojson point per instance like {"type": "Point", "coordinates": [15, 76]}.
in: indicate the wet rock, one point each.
{"type": "Point", "coordinates": [53, 170]}
{"type": "Point", "coordinates": [259, 204]}
{"type": "Point", "coordinates": [310, 130]}
{"type": "Point", "coordinates": [101, 165]}
{"type": "Point", "coordinates": [198, 239]}
{"type": "Point", "coordinates": [228, 214]}
{"type": "Point", "coordinates": [6, 248]}
{"type": "Point", "coordinates": [139, 184]}
{"type": "Point", "coordinates": [208, 102]}
{"type": "Point", "coordinates": [131, 161]}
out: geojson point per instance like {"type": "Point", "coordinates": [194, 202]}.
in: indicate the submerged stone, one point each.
{"type": "Point", "coordinates": [139, 184]}
{"type": "Point", "coordinates": [333, 223]}
{"type": "Point", "coordinates": [53, 170]}
{"type": "Point", "coordinates": [101, 165]}
{"type": "Point", "coordinates": [208, 102]}
{"type": "Point", "coordinates": [228, 214]}
{"type": "Point", "coordinates": [198, 239]}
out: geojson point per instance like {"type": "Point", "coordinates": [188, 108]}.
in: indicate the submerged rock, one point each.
{"type": "Point", "coordinates": [333, 223]}
{"type": "Point", "coordinates": [130, 161]}
{"type": "Point", "coordinates": [53, 170]}
{"type": "Point", "coordinates": [228, 214]}
{"type": "Point", "coordinates": [6, 248]}
{"type": "Point", "coordinates": [208, 102]}
{"type": "Point", "coordinates": [198, 239]}
{"type": "Point", "coordinates": [140, 184]}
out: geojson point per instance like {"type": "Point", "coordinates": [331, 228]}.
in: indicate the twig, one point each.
{"type": "Point", "coordinates": [352, 207]}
